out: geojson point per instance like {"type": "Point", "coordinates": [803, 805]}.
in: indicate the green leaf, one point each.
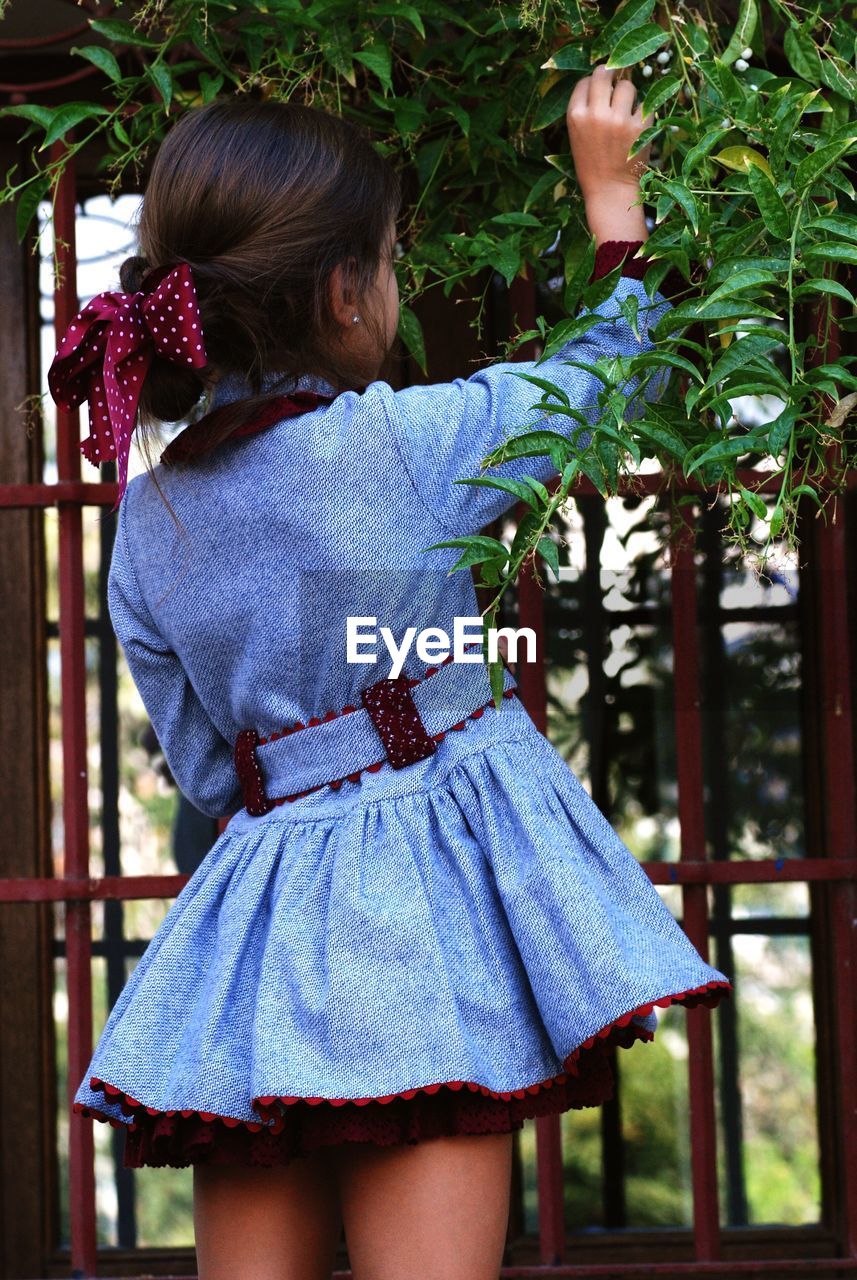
{"type": "Point", "coordinates": [805, 490]}
{"type": "Point", "coordinates": [739, 353]}
{"type": "Point", "coordinates": [411, 333]}
{"type": "Point", "coordinates": [554, 103]}
{"type": "Point", "coordinates": [496, 677]}
{"type": "Point", "coordinates": [379, 61]}
{"type": "Point", "coordinates": [671, 361]}
{"type": "Point", "coordinates": [745, 29]}
{"type": "Point", "coordinates": [685, 198]}
{"type": "Point", "coordinates": [832, 251]}
{"type": "Point", "coordinates": [701, 149]}
{"type": "Point", "coordinates": [505, 257]}
{"type": "Point", "coordinates": [580, 273]}
{"type": "Point", "coordinates": [802, 54]}
{"type": "Point", "coordinates": [687, 313]}
{"type": "Point", "coordinates": [101, 58]}
{"type": "Point", "coordinates": [515, 487]}
{"type": "Point", "coordinates": [630, 16]}
{"type": "Point", "coordinates": [210, 86]}
{"type": "Point", "coordinates": [161, 78]}
{"type": "Point", "coordinates": [121, 32]}
{"type": "Point", "coordinates": [548, 550]}
{"type": "Point", "coordinates": [516, 219]}
{"type": "Point", "coordinates": [67, 116]}
{"type": "Point", "coordinates": [28, 203]}
{"type": "Point", "coordinates": [30, 111]}
{"type": "Point", "coordinates": [838, 75]}
{"type": "Point", "coordinates": [724, 451]}
{"type": "Point", "coordinates": [838, 224]}
{"type": "Point", "coordinates": [410, 115]}
{"type": "Point", "coordinates": [822, 284]}
{"type": "Point", "coordinates": [545, 183]}
{"type": "Point", "coordinates": [754, 502]}
{"type": "Point", "coordinates": [537, 487]}
{"type": "Point", "coordinates": [550, 388]}
{"type": "Point", "coordinates": [660, 434]}
{"type": "Point", "coordinates": [776, 522]}
{"type": "Point", "coordinates": [404, 11]}
{"type": "Point", "coordinates": [571, 57]}
{"type": "Point", "coordinates": [637, 44]}
{"type": "Point", "coordinates": [660, 93]}
{"type": "Point", "coordinates": [781, 428]}
{"type": "Point", "coordinates": [814, 165]}
{"type": "Point", "coordinates": [741, 280]}
{"type": "Point", "coordinates": [774, 213]}
{"type": "Point", "coordinates": [531, 444]}
{"type": "Point", "coordinates": [478, 541]}
{"type": "Point", "coordinates": [472, 556]}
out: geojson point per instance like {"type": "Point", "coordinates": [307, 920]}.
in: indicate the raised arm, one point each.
{"type": "Point", "coordinates": [444, 430]}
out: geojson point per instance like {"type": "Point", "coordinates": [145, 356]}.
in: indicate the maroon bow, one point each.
{"type": "Point", "coordinates": [106, 351]}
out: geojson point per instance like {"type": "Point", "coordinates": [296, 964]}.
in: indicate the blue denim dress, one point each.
{"type": "Point", "coordinates": [470, 921]}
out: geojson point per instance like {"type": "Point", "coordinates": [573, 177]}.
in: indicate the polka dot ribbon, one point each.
{"type": "Point", "coordinates": [106, 351]}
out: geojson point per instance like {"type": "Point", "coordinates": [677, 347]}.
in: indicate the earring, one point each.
{"type": "Point", "coordinates": [354, 319]}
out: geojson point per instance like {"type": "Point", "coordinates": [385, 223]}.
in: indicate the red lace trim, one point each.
{"type": "Point", "coordinates": [371, 768]}
{"type": "Point", "coordinates": [620, 1032]}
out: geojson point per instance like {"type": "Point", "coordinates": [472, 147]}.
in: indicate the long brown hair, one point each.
{"type": "Point", "coordinates": [262, 199]}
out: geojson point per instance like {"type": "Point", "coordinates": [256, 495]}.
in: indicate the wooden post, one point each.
{"type": "Point", "coordinates": [27, 1089]}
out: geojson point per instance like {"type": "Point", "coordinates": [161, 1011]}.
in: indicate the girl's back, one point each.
{"type": "Point", "coordinates": [416, 924]}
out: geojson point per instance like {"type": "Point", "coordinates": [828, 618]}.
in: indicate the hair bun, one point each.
{"type": "Point", "coordinates": [132, 272]}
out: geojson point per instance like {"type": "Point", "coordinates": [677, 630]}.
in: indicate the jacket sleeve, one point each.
{"type": "Point", "coordinates": [443, 430]}
{"type": "Point", "coordinates": [199, 757]}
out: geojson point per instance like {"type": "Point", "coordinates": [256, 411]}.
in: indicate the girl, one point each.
{"type": "Point", "coordinates": [417, 929]}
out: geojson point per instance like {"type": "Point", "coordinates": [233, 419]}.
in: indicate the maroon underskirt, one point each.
{"type": "Point", "coordinates": [178, 1140]}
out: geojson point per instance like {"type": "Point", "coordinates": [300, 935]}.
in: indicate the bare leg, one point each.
{"type": "Point", "coordinates": [438, 1209]}
{"type": "Point", "coordinates": [255, 1223]}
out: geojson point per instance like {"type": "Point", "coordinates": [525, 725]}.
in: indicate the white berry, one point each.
{"type": "Point", "coordinates": [747, 53]}
{"type": "Point", "coordinates": [741, 65]}
{"type": "Point", "coordinates": [647, 70]}
{"type": "Point", "coordinates": [664, 56]}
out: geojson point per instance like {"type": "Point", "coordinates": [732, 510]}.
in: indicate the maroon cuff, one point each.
{"type": "Point", "coordinates": [610, 253]}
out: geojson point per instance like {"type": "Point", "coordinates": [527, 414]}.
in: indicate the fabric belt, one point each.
{"type": "Point", "coordinates": [398, 723]}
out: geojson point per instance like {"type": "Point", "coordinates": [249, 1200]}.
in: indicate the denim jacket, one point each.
{"type": "Point", "coordinates": [237, 619]}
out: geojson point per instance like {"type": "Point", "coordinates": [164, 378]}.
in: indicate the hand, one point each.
{"type": "Point", "coordinates": [602, 126]}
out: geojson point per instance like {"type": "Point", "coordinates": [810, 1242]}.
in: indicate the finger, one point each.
{"type": "Point", "coordinates": [624, 96]}
{"type": "Point", "coordinates": [641, 121]}
{"type": "Point", "coordinates": [580, 93]}
{"type": "Point", "coordinates": [601, 87]}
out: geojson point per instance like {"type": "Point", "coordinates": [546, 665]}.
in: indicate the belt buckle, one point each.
{"type": "Point", "coordinates": [394, 714]}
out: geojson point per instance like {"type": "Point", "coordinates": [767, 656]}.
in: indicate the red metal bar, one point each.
{"type": "Point", "coordinates": [688, 731]}
{"type": "Point", "coordinates": [842, 846]}
{"type": "Point", "coordinates": [840, 806]}
{"type": "Point", "coordinates": [81, 492]}
{"type": "Point", "coordinates": [104, 494]}
{"type": "Point", "coordinates": [763, 871]}
{"type": "Point", "coordinates": [532, 690]}
{"type": "Point", "coordinates": [78, 922]}
{"type": "Point", "coordinates": [619, 1270]}
{"type": "Point", "coordinates": [39, 86]}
